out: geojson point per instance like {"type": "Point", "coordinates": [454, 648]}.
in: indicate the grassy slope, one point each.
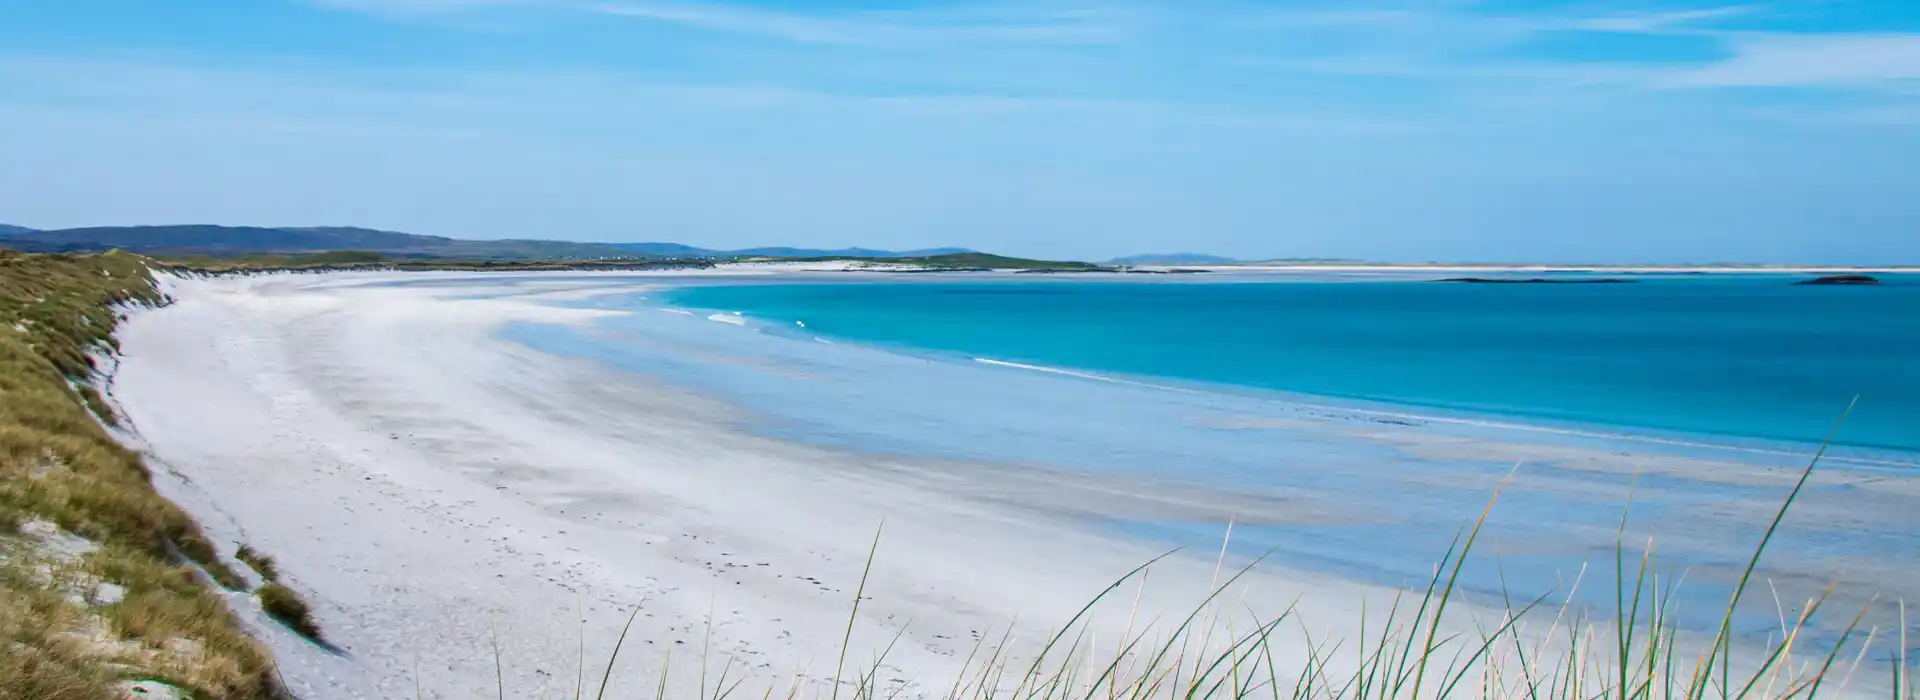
{"type": "Point", "coordinates": [66, 632]}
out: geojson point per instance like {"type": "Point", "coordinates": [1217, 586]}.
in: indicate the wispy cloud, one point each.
{"type": "Point", "coordinates": [850, 28]}
{"type": "Point", "coordinates": [414, 7]}
{"type": "Point", "coordinates": [897, 28]}
{"type": "Point", "coordinates": [1055, 50]}
{"type": "Point", "coordinates": [1806, 60]}
{"type": "Point", "coordinates": [1644, 22]}
{"type": "Point", "coordinates": [1675, 21]}
{"type": "Point", "coordinates": [565, 105]}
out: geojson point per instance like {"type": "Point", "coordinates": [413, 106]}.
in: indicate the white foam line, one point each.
{"type": "Point", "coordinates": [1083, 375]}
{"type": "Point", "coordinates": [1479, 423]}
{"type": "Point", "coordinates": [678, 311]}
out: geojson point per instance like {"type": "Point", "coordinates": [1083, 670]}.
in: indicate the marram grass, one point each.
{"type": "Point", "coordinates": [131, 601]}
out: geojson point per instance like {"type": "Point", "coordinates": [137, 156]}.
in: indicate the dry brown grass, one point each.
{"type": "Point", "coordinates": [286, 606]}
{"type": "Point", "coordinates": [260, 563]}
{"type": "Point", "coordinates": [276, 599]}
{"type": "Point", "coordinates": [58, 465]}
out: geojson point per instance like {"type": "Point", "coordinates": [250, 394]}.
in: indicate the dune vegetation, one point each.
{"type": "Point", "coordinates": [101, 579]}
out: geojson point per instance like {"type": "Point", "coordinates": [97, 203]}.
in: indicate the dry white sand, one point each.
{"type": "Point", "coordinates": [431, 488]}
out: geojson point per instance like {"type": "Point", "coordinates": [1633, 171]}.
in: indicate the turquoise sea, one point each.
{"type": "Point", "coordinates": [1712, 355]}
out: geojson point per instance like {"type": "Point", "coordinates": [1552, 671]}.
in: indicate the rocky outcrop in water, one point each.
{"type": "Point", "coordinates": [1840, 280]}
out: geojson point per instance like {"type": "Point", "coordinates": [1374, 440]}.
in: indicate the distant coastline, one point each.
{"type": "Point", "coordinates": [1533, 267]}
{"type": "Point", "coordinates": [286, 246]}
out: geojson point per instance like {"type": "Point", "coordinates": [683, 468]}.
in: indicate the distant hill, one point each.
{"type": "Point", "coordinates": [976, 261]}
{"type": "Point", "coordinates": [1173, 259]}
{"type": "Point", "coordinates": [666, 250]}
{"type": "Point", "coordinates": [1001, 262]}
{"type": "Point", "coordinates": [200, 239]}
{"type": "Point", "coordinates": [232, 240]}
{"type": "Point", "coordinates": [782, 252]}
{"type": "Point", "coordinates": [1342, 261]}
{"type": "Point", "coordinates": [676, 250]}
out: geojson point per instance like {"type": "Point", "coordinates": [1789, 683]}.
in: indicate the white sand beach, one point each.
{"type": "Point", "coordinates": [432, 489]}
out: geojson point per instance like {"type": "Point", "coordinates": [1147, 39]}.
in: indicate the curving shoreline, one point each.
{"type": "Point", "coordinates": [426, 485]}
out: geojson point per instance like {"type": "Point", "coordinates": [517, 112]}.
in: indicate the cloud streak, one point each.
{"type": "Point", "coordinates": [415, 7]}
{"type": "Point", "coordinates": [1115, 50]}
{"type": "Point", "coordinates": [895, 29]}
{"type": "Point", "coordinates": [1810, 60]}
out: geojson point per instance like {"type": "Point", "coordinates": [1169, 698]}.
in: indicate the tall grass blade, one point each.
{"type": "Point", "coordinates": [1724, 639]}
{"type": "Point", "coordinates": [499, 673]}
{"type": "Point", "coordinates": [854, 615]}
{"type": "Point", "coordinates": [1458, 564]}
{"type": "Point", "coordinates": [618, 644]}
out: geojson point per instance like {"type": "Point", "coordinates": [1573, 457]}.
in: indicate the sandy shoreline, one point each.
{"type": "Point", "coordinates": [430, 487]}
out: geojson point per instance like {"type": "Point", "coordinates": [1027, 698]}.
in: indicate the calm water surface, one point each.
{"type": "Point", "coordinates": [1754, 357]}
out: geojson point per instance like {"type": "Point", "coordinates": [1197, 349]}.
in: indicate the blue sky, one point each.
{"type": "Point", "coordinates": [1657, 131]}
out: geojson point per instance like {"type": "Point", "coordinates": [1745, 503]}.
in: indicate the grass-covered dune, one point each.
{"type": "Point", "coordinates": [102, 581]}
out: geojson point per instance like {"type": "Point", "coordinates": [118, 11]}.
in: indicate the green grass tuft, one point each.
{"type": "Point", "coordinates": [281, 603]}
{"type": "Point", "coordinates": [260, 563]}
{"type": "Point", "coordinates": [98, 405]}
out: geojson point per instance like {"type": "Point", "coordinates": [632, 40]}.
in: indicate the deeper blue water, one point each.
{"type": "Point", "coordinates": [1733, 356]}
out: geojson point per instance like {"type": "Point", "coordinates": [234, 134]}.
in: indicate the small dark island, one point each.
{"type": "Point", "coordinates": [1831, 280]}
{"type": "Point", "coordinates": [1535, 280]}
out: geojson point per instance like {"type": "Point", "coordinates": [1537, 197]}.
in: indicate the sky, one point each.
{"type": "Point", "coordinates": [1644, 131]}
